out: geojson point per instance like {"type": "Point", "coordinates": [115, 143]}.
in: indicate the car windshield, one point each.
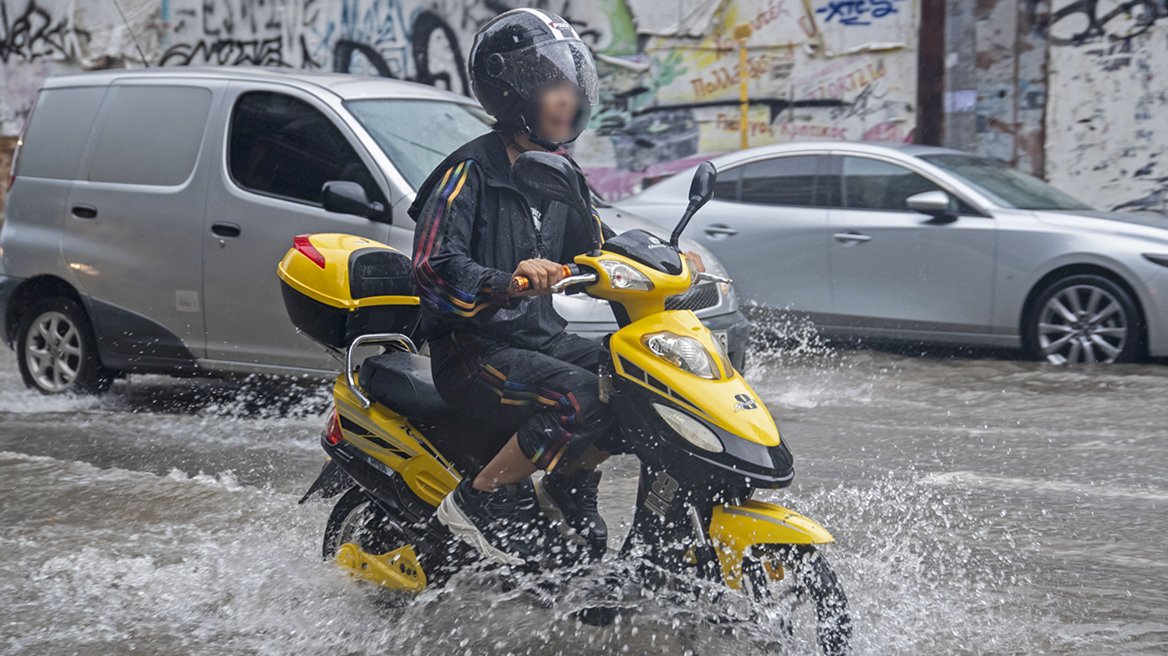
{"type": "Point", "coordinates": [1004, 184]}
{"type": "Point", "coordinates": [417, 135]}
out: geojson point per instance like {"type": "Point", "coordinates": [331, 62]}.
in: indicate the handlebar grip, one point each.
{"type": "Point", "coordinates": [522, 284]}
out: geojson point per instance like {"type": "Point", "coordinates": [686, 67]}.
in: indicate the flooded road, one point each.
{"type": "Point", "coordinates": [980, 506]}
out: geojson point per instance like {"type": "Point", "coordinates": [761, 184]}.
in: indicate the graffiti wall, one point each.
{"type": "Point", "coordinates": [1073, 91]}
{"type": "Point", "coordinates": [1111, 140]}
{"type": "Point", "coordinates": [817, 69]}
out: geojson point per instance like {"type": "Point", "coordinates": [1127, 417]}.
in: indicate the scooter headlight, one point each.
{"type": "Point", "coordinates": [685, 353]}
{"type": "Point", "coordinates": [694, 431]}
{"type": "Point", "coordinates": [624, 276]}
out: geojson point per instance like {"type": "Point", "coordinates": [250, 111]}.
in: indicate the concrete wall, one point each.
{"type": "Point", "coordinates": [818, 69]}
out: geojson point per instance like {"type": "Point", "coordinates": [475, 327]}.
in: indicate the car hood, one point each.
{"type": "Point", "coordinates": [1140, 225]}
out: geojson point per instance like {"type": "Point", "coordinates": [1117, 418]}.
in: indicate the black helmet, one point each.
{"type": "Point", "coordinates": [520, 51]}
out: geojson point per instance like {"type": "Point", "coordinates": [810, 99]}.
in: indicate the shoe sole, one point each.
{"type": "Point", "coordinates": [460, 525]}
{"type": "Point", "coordinates": [552, 511]}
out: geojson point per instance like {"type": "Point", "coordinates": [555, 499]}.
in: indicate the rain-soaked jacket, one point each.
{"type": "Point", "coordinates": [474, 227]}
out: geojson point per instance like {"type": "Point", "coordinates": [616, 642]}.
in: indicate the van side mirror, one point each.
{"type": "Point", "coordinates": [542, 174]}
{"type": "Point", "coordinates": [934, 203]}
{"type": "Point", "coordinates": [701, 190]}
{"type": "Point", "coordinates": [346, 197]}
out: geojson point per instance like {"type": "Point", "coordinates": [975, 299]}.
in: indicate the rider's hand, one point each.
{"type": "Point", "coordinates": [695, 261]}
{"type": "Point", "coordinates": [542, 274]}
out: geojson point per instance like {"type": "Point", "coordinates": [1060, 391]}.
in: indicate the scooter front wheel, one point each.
{"type": "Point", "coordinates": [805, 576]}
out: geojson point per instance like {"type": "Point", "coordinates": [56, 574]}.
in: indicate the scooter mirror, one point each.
{"type": "Point", "coordinates": [701, 190]}
{"type": "Point", "coordinates": [552, 176]}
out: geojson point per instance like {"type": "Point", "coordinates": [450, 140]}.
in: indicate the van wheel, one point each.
{"type": "Point", "coordinates": [1084, 319]}
{"type": "Point", "coordinates": [56, 349]}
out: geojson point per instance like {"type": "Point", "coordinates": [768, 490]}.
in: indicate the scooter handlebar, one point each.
{"type": "Point", "coordinates": [522, 284]}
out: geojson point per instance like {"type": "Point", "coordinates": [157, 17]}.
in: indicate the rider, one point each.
{"type": "Point", "coordinates": [500, 354]}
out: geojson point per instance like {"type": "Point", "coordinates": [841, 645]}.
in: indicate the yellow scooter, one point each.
{"type": "Point", "coordinates": [704, 439]}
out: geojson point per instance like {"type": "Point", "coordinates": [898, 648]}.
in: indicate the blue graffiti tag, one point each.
{"type": "Point", "coordinates": [857, 12]}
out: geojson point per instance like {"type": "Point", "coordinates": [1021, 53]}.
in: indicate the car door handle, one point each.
{"type": "Point", "coordinates": [720, 229]}
{"type": "Point", "coordinates": [85, 211]}
{"type": "Point", "coordinates": [851, 237]}
{"type": "Point", "coordinates": [224, 229]}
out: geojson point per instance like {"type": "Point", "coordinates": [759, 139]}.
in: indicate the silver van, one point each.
{"type": "Point", "coordinates": [149, 209]}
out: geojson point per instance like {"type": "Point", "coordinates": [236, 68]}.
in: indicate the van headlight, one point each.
{"type": "Point", "coordinates": [685, 353]}
{"type": "Point", "coordinates": [692, 430]}
{"type": "Point", "coordinates": [623, 276]}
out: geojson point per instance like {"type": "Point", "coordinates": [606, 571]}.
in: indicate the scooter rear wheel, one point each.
{"type": "Point", "coordinates": [356, 518]}
{"type": "Point", "coordinates": [807, 576]}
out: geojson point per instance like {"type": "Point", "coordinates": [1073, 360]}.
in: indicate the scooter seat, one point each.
{"type": "Point", "coordinates": [403, 383]}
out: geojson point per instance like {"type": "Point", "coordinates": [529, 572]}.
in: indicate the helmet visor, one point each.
{"type": "Point", "coordinates": [528, 69]}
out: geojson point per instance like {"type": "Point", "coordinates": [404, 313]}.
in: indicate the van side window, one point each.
{"type": "Point", "coordinates": [150, 135]}
{"type": "Point", "coordinates": [58, 131]}
{"type": "Point", "coordinates": [282, 146]}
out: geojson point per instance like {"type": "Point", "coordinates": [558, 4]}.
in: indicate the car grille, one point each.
{"type": "Point", "coordinates": [697, 298]}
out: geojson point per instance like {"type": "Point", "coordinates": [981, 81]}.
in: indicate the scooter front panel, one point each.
{"type": "Point", "coordinates": [729, 402]}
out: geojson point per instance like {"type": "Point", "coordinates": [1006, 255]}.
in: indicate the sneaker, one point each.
{"type": "Point", "coordinates": [505, 526]}
{"type": "Point", "coordinates": [570, 503]}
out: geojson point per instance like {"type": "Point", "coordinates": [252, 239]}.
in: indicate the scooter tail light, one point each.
{"type": "Point", "coordinates": [20, 142]}
{"type": "Point", "coordinates": [332, 433]}
{"type": "Point", "coordinates": [303, 244]}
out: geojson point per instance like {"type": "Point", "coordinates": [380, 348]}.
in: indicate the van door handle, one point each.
{"type": "Point", "coordinates": [720, 230]}
{"type": "Point", "coordinates": [224, 229]}
{"type": "Point", "coordinates": [851, 237]}
{"type": "Point", "coordinates": [85, 211]}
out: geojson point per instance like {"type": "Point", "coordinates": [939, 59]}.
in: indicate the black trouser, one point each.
{"type": "Point", "coordinates": [550, 397]}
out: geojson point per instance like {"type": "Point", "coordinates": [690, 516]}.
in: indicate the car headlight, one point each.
{"type": "Point", "coordinates": [721, 350]}
{"type": "Point", "coordinates": [692, 430]}
{"type": "Point", "coordinates": [685, 353]}
{"type": "Point", "coordinates": [624, 276]}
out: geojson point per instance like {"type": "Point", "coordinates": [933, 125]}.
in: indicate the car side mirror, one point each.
{"type": "Point", "coordinates": [701, 190]}
{"type": "Point", "coordinates": [346, 197]}
{"type": "Point", "coordinates": [934, 203]}
{"type": "Point", "coordinates": [547, 175]}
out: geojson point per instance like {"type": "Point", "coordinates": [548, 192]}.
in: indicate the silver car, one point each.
{"type": "Point", "coordinates": [931, 245]}
{"type": "Point", "coordinates": [150, 208]}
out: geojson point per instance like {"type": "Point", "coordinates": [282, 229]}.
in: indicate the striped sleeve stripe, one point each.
{"type": "Point", "coordinates": [430, 285]}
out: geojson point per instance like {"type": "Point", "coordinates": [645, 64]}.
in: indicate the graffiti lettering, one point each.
{"type": "Point", "coordinates": [844, 84]}
{"type": "Point", "coordinates": [730, 123]}
{"type": "Point", "coordinates": [857, 12]}
{"type": "Point", "coordinates": [726, 78]}
{"type": "Point", "coordinates": [773, 12]}
{"type": "Point", "coordinates": [34, 33]}
{"type": "Point", "coordinates": [1088, 20]}
{"type": "Point", "coordinates": [812, 131]}
{"type": "Point", "coordinates": [226, 52]}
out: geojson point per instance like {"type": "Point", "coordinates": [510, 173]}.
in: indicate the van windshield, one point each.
{"type": "Point", "coordinates": [417, 135]}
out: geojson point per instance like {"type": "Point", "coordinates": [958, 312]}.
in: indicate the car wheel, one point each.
{"type": "Point", "coordinates": [56, 350]}
{"type": "Point", "coordinates": [1084, 319]}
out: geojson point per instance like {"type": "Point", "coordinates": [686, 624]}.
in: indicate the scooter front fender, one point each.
{"type": "Point", "coordinates": [734, 529]}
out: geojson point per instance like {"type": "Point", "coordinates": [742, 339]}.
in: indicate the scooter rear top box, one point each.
{"type": "Point", "coordinates": [337, 287]}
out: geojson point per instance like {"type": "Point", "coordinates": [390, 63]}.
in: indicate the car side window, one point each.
{"type": "Point", "coordinates": [282, 146]}
{"type": "Point", "coordinates": [57, 132]}
{"type": "Point", "coordinates": [871, 184]}
{"type": "Point", "coordinates": [796, 180]}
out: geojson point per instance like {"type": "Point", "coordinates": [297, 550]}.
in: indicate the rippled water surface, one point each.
{"type": "Point", "coordinates": [980, 506]}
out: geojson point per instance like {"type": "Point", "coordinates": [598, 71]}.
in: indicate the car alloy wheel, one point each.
{"type": "Point", "coordinates": [54, 351]}
{"type": "Point", "coordinates": [1083, 324]}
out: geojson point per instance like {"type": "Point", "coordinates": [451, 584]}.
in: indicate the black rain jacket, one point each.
{"type": "Point", "coordinates": [473, 229]}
